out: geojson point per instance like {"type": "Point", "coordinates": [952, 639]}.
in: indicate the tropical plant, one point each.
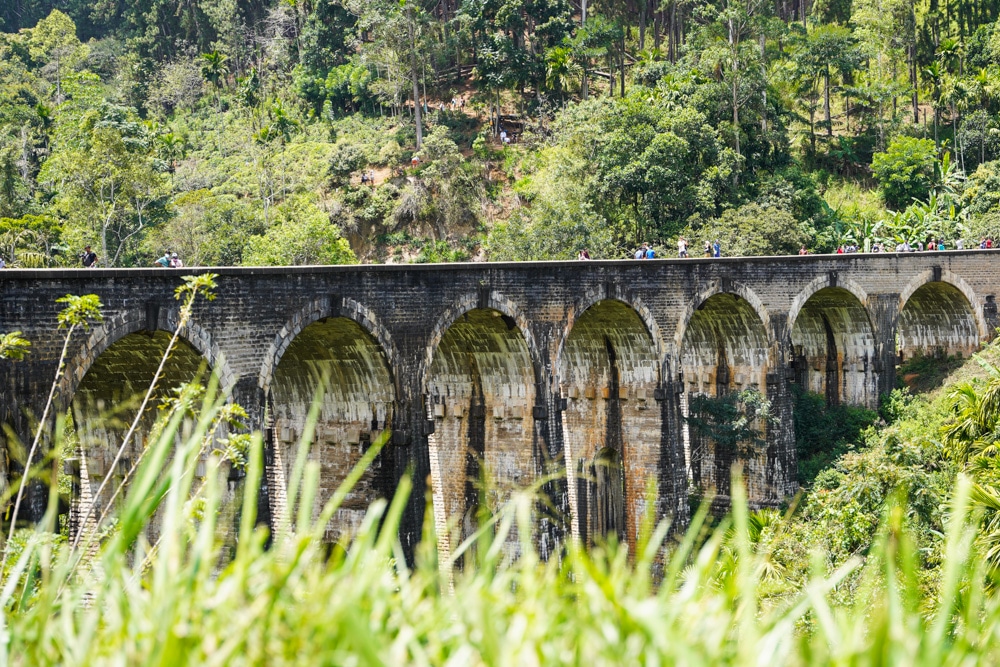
{"type": "Point", "coordinates": [79, 313]}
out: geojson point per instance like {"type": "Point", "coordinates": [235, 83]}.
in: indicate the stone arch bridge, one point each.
{"type": "Point", "coordinates": [493, 375]}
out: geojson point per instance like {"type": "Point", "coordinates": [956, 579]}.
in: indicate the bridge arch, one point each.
{"type": "Point", "coordinates": [109, 377]}
{"type": "Point", "coordinates": [824, 282]}
{"type": "Point", "coordinates": [118, 326]}
{"type": "Point", "coordinates": [313, 311]}
{"type": "Point", "coordinates": [609, 369]}
{"type": "Point", "coordinates": [724, 345]}
{"type": "Point", "coordinates": [721, 287]}
{"type": "Point", "coordinates": [479, 379]}
{"type": "Point", "coordinates": [484, 300]}
{"type": "Point", "coordinates": [937, 315]}
{"type": "Point", "coordinates": [336, 344]}
{"type": "Point", "coordinates": [612, 292]}
{"type": "Point", "coordinates": [833, 343]}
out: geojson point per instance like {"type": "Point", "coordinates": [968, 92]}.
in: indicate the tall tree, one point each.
{"type": "Point", "coordinates": [110, 186]}
{"type": "Point", "coordinates": [728, 37]}
{"type": "Point", "coordinates": [398, 27]}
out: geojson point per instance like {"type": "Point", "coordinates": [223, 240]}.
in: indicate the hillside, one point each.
{"type": "Point", "coordinates": [330, 131]}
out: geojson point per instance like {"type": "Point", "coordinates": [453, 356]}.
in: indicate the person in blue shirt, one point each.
{"type": "Point", "coordinates": [716, 248]}
{"type": "Point", "coordinates": [650, 253]}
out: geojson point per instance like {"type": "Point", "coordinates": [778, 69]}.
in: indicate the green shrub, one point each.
{"type": "Point", "coordinates": [906, 171]}
{"type": "Point", "coordinates": [302, 234]}
{"type": "Point", "coordinates": [824, 433]}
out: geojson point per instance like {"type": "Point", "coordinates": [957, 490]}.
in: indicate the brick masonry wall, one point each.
{"type": "Point", "coordinates": [407, 312]}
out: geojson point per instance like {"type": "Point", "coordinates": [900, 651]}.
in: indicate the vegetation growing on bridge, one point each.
{"type": "Point", "coordinates": [326, 131]}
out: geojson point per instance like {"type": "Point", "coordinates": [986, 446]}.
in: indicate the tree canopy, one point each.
{"type": "Point", "coordinates": [489, 130]}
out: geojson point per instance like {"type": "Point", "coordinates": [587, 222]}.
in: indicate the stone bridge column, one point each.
{"type": "Point", "coordinates": [782, 462]}
{"type": "Point", "coordinates": [248, 395]}
{"type": "Point", "coordinates": [554, 509]}
{"type": "Point", "coordinates": [884, 310]}
{"type": "Point", "coordinates": [673, 475]}
{"type": "Point", "coordinates": [409, 452]}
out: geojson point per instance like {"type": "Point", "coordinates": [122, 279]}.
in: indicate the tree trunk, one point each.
{"type": "Point", "coordinates": [623, 67]}
{"type": "Point", "coordinates": [672, 35]}
{"type": "Point", "coordinates": [812, 127]}
{"type": "Point", "coordinates": [763, 72]}
{"type": "Point", "coordinates": [826, 102]}
{"type": "Point", "coordinates": [657, 27]}
{"type": "Point", "coordinates": [413, 74]}
{"type": "Point", "coordinates": [736, 99]}
{"type": "Point", "coordinates": [642, 24]}
{"type": "Point", "coordinates": [736, 128]}
{"type": "Point", "coordinates": [937, 144]}
{"type": "Point", "coordinates": [584, 88]}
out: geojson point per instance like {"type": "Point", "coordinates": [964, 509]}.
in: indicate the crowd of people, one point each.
{"type": "Point", "coordinates": [710, 249]}
{"type": "Point", "coordinates": [714, 248]}
{"type": "Point", "coordinates": [930, 245]}
{"type": "Point", "coordinates": [170, 260]}
{"type": "Point", "coordinates": [88, 258]}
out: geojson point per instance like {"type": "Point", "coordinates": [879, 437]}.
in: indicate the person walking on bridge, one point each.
{"type": "Point", "coordinates": [88, 258]}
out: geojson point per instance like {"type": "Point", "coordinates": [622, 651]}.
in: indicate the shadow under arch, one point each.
{"type": "Point", "coordinates": [329, 351]}
{"type": "Point", "coordinates": [732, 288]}
{"type": "Point", "coordinates": [937, 316]}
{"type": "Point", "coordinates": [821, 283]}
{"type": "Point", "coordinates": [118, 326]}
{"type": "Point", "coordinates": [613, 293]}
{"type": "Point", "coordinates": [107, 400]}
{"type": "Point", "coordinates": [480, 387]}
{"type": "Point", "coordinates": [486, 300]}
{"type": "Point", "coordinates": [317, 309]}
{"type": "Point", "coordinates": [833, 347]}
{"type": "Point", "coordinates": [610, 373]}
{"type": "Point", "coordinates": [724, 347]}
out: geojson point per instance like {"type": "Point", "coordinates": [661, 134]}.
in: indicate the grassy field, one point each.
{"type": "Point", "coordinates": [691, 599]}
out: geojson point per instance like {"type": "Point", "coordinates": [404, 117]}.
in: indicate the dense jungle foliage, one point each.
{"type": "Point", "coordinates": [332, 131]}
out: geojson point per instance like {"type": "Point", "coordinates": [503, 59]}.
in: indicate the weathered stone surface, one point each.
{"type": "Point", "coordinates": [506, 372]}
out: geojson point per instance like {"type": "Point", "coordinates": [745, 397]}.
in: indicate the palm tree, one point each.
{"type": "Point", "coordinates": [560, 68]}
{"type": "Point", "coordinates": [955, 95]}
{"type": "Point", "coordinates": [972, 431]}
{"type": "Point", "coordinates": [932, 75]}
{"type": "Point", "coordinates": [214, 70]}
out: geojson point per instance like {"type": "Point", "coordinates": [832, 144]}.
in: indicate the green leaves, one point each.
{"type": "Point", "coordinates": [214, 68]}
{"type": "Point", "coordinates": [302, 234]}
{"type": "Point", "coordinates": [735, 422]}
{"type": "Point", "coordinates": [204, 283]}
{"type": "Point", "coordinates": [111, 184]}
{"type": "Point", "coordinates": [906, 170]}
{"type": "Point", "coordinates": [80, 311]}
{"type": "Point", "coordinates": [13, 346]}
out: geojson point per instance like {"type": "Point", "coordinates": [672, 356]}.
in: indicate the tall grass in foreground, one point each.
{"type": "Point", "coordinates": [295, 604]}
